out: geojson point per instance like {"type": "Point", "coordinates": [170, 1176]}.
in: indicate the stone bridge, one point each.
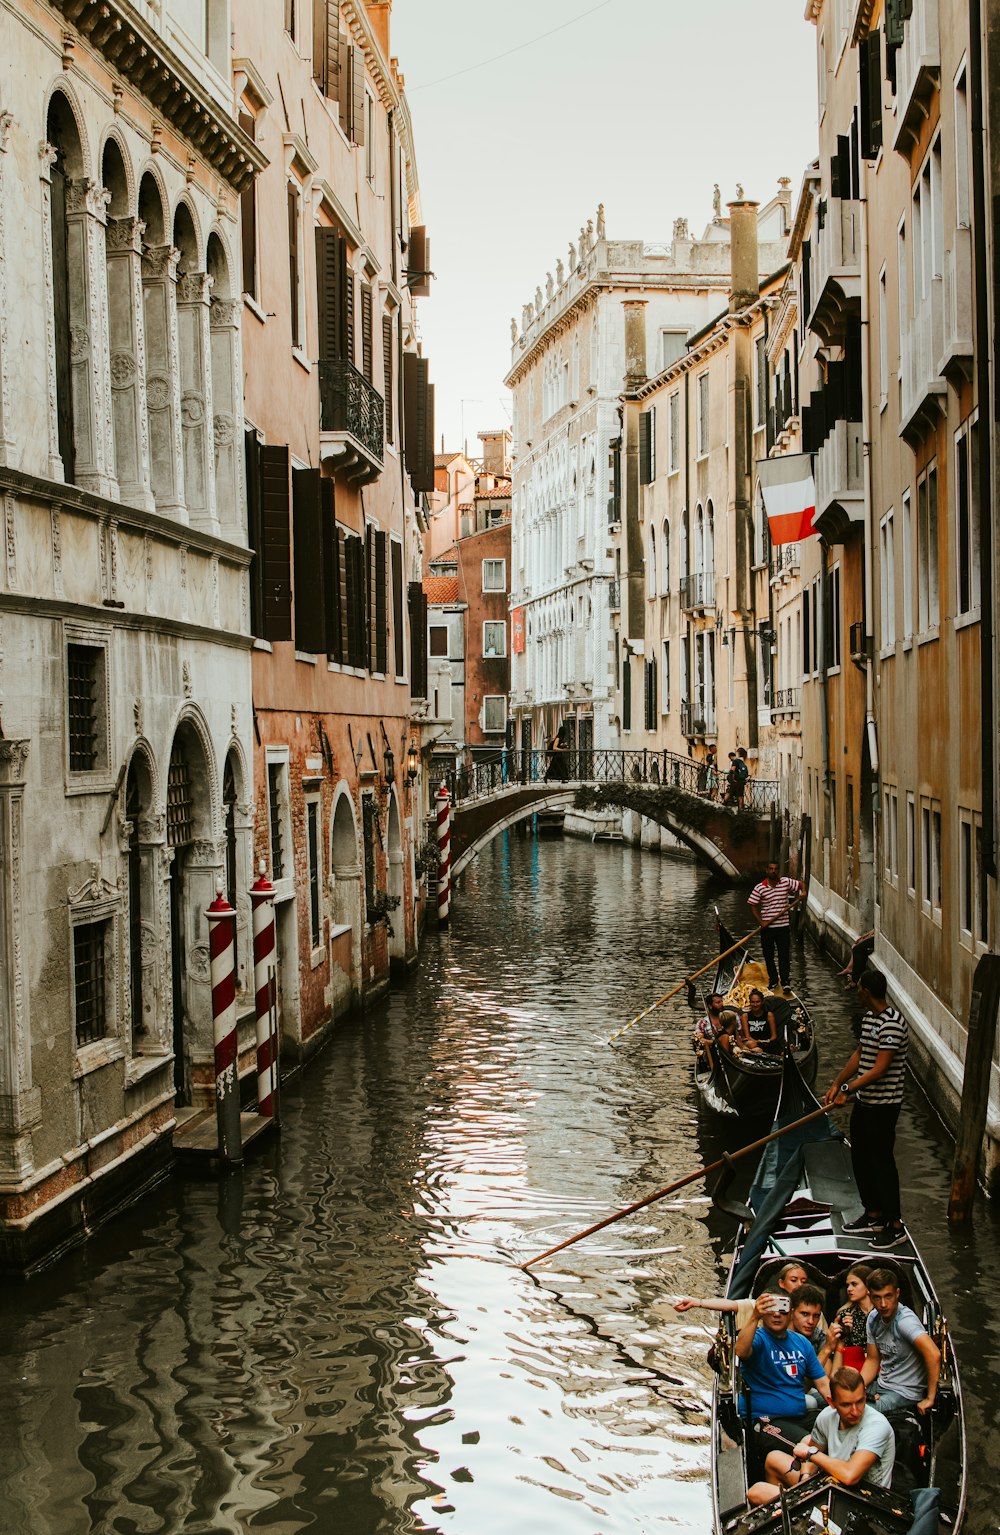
{"type": "Point", "coordinates": [510, 786]}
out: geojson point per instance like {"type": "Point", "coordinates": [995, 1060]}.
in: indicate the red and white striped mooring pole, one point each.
{"type": "Point", "coordinates": [443, 802]}
{"type": "Point", "coordinates": [262, 901]}
{"type": "Point", "coordinates": [222, 953]}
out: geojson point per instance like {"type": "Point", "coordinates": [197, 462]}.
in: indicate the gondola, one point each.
{"type": "Point", "coordinates": [737, 1081]}
{"type": "Point", "coordinates": [803, 1192]}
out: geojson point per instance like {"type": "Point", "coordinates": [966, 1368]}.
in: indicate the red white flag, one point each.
{"type": "Point", "coordinates": [789, 494]}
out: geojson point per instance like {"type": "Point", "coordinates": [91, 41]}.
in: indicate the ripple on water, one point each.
{"type": "Point", "coordinates": [341, 1338]}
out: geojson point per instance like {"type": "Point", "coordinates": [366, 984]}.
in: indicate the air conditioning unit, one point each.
{"type": "Point", "coordinates": [861, 645]}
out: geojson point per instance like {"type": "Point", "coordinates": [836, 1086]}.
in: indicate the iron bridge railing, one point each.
{"type": "Point", "coordinates": [505, 768]}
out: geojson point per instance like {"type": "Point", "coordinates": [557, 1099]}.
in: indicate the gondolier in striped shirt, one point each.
{"type": "Point", "coordinates": [875, 1077]}
{"type": "Point", "coordinates": [770, 902]}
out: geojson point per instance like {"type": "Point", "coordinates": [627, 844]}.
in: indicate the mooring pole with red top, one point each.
{"type": "Point", "coordinates": [262, 902]}
{"type": "Point", "coordinates": [443, 803]}
{"type": "Point", "coordinates": [222, 954]}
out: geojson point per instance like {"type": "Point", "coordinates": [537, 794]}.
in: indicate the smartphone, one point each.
{"type": "Point", "coordinates": [782, 1303]}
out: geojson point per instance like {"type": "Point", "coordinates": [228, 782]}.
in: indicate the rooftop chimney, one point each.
{"type": "Point", "coordinates": [744, 283]}
{"type": "Point", "coordinates": [496, 447]}
{"type": "Point", "coordinates": [635, 341]}
{"type": "Point", "coordinates": [378, 15]}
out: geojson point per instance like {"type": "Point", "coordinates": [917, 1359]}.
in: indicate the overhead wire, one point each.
{"type": "Point", "coordinates": [517, 48]}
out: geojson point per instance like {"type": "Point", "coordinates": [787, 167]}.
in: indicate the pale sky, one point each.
{"type": "Point", "coordinates": [639, 104]}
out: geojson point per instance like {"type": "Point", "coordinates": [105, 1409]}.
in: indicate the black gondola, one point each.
{"type": "Point", "coordinates": [803, 1192]}
{"type": "Point", "coordinates": [738, 1081]}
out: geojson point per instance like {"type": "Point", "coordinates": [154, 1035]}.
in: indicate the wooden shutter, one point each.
{"type": "Point", "coordinates": [321, 29]}
{"type": "Point", "coordinates": [870, 60]}
{"type": "Point", "coordinates": [418, 261]}
{"type": "Point", "coordinates": [343, 81]}
{"type": "Point", "coordinates": [309, 591]}
{"type": "Point", "coordinates": [366, 331]}
{"type": "Point", "coordinates": [358, 95]}
{"type": "Point", "coordinates": [893, 25]}
{"type": "Point", "coordinates": [626, 694]}
{"type": "Point", "coordinates": [417, 603]}
{"type": "Point", "coordinates": [645, 448]}
{"type": "Point", "coordinates": [370, 643]}
{"type": "Point", "coordinates": [328, 540]}
{"type": "Point", "coordinates": [418, 421]}
{"type": "Point", "coordinates": [381, 603]}
{"type": "Point", "coordinates": [252, 453]}
{"type": "Point", "coordinates": [332, 292]}
{"type": "Point", "coordinates": [387, 376]}
{"type": "Point", "coordinates": [293, 263]}
{"type": "Point", "coordinates": [248, 220]}
{"type": "Point", "coordinates": [393, 201]}
{"type": "Point", "coordinates": [340, 647]}
{"type": "Point", "coordinates": [348, 348]}
{"type": "Point", "coordinates": [276, 553]}
{"type": "Point", "coordinates": [396, 559]}
{"type": "Point", "coordinates": [840, 168]}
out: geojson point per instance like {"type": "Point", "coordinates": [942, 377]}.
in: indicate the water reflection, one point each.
{"type": "Point", "coordinates": [340, 1339]}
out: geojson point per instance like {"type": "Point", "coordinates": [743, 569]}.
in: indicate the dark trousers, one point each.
{"type": "Point", "coordinates": [777, 939]}
{"type": "Point", "coordinates": [873, 1137]}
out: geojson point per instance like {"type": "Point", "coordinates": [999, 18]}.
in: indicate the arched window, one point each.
{"type": "Point", "coordinates": [74, 426]}
{"type": "Point", "coordinates": [128, 387]}
{"type": "Point", "coordinates": [651, 568]}
{"type": "Point", "coordinates": [665, 558]}
{"type": "Point", "coordinates": [684, 552]}
{"type": "Point", "coordinates": [226, 437]}
{"type": "Point", "coordinates": [162, 376]}
{"type": "Point", "coordinates": [699, 540]}
{"type": "Point", "coordinates": [192, 296]}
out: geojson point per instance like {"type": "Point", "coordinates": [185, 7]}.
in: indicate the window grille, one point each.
{"type": "Point", "coordinates": [88, 981]}
{"type": "Point", "coordinates": [315, 913]}
{"type": "Point", "coordinates": [133, 809]}
{"type": "Point", "coordinates": [274, 812]}
{"type": "Point", "coordinates": [82, 669]}
{"type": "Point", "coordinates": [180, 817]}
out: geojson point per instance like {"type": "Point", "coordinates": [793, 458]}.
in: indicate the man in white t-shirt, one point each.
{"type": "Point", "coordinates": [850, 1441]}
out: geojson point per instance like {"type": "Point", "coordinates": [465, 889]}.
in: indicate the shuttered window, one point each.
{"type": "Point", "coordinates": [870, 61]}
{"type": "Point", "coordinates": [418, 421]}
{"type": "Point", "coordinates": [293, 265]}
{"type": "Point", "coordinates": [352, 551]}
{"type": "Point", "coordinates": [335, 296]}
{"type": "Point", "coordinates": [381, 603]}
{"type": "Point", "coordinates": [387, 376]}
{"type": "Point", "coordinates": [358, 100]}
{"type": "Point", "coordinates": [647, 446]}
{"type": "Point", "coordinates": [366, 332]}
{"type": "Point", "coordinates": [626, 694]}
{"type": "Point", "coordinates": [315, 562]}
{"type": "Point", "coordinates": [396, 561]}
{"type": "Point", "coordinates": [417, 604]}
{"type": "Point", "coordinates": [248, 219]}
{"type": "Point", "coordinates": [274, 552]}
{"type": "Point", "coordinates": [650, 694]}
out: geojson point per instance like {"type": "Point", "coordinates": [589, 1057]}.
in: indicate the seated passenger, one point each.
{"type": "Point", "coordinates": [850, 1441]}
{"type": "Point", "coordinates": [808, 1319]}
{"type": "Point", "coordinates": [902, 1363]}
{"type": "Point", "coordinates": [717, 1027]}
{"type": "Point", "coordinates": [776, 1365]}
{"type": "Point", "coordinates": [851, 1321]}
{"type": "Point", "coordinates": [790, 1277]}
{"type": "Point", "coordinates": [759, 1026]}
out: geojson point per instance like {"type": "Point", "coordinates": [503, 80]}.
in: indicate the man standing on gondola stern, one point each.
{"type": "Point", "coordinates": [875, 1077]}
{"type": "Point", "coordinates": [771, 901]}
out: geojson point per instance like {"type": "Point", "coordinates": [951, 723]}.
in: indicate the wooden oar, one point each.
{"type": "Point", "coordinates": [695, 974]}
{"type": "Point", "coordinates": [701, 1172]}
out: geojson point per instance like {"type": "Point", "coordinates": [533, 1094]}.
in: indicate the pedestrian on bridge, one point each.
{"type": "Point", "coordinates": [771, 901]}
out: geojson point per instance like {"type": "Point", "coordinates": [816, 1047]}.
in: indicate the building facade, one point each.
{"type": "Point", "coordinates": [338, 448]}
{"type": "Point", "coordinates": [126, 760]}
{"type": "Point", "coordinates": [576, 348]}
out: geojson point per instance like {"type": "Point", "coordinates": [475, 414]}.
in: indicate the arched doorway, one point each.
{"type": "Point", "coordinates": [396, 884]}
{"type": "Point", "coordinates": [141, 855]}
{"type": "Point", "coordinates": [196, 869]}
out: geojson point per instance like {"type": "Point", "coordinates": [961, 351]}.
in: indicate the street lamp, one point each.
{"type": "Point", "coordinates": [412, 761]}
{"type": "Point", "coordinates": [388, 765]}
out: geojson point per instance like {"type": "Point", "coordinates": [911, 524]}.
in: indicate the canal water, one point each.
{"type": "Point", "coordinates": [339, 1339]}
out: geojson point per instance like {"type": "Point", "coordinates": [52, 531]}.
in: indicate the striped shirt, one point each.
{"type": "Point", "coordinates": [774, 900]}
{"type": "Point", "coordinates": [883, 1031]}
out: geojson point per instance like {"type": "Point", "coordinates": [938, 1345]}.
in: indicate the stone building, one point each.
{"type": "Point", "coordinates": [126, 758]}
{"type": "Point", "coordinates": [895, 318]}
{"type": "Point", "coordinates": [571, 357]}
{"type": "Point", "coordinates": [695, 633]}
{"type": "Point", "coordinates": [338, 446]}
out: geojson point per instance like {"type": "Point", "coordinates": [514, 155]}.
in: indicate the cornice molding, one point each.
{"type": "Point", "coordinates": [147, 66]}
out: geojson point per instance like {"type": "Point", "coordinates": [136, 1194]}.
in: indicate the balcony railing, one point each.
{"type": "Point", "coordinates": [697, 590]}
{"type": "Point", "coordinates": [957, 347]}
{"type": "Point", "coordinates": [352, 420]}
{"type": "Point", "coordinates": [840, 481]}
{"type": "Point", "coordinates": [836, 274]}
{"type": "Point", "coordinates": [786, 701]}
{"type": "Point", "coordinates": [920, 351]}
{"type": "Point", "coordinates": [784, 561]}
{"type": "Point", "coordinates": [698, 714]}
{"type": "Point", "coordinates": [918, 69]}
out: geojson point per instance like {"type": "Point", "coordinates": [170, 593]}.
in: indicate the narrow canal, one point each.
{"type": "Point", "coordinates": [340, 1339]}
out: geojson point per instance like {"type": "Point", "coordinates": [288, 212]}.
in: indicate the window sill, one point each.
{"type": "Point", "coordinates": [929, 635]}
{"type": "Point", "coordinates": [264, 645]}
{"type": "Point", "coordinates": [284, 889]}
{"type": "Point", "coordinates": [317, 957]}
{"type": "Point", "coordinates": [306, 657]}
{"type": "Point", "coordinates": [99, 782]}
{"type": "Point", "coordinates": [908, 643]}
{"type": "Point", "coordinates": [249, 302]}
{"type": "Point", "coordinates": [887, 652]}
{"type": "Point", "coordinates": [103, 1052]}
{"type": "Point", "coordinates": [833, 671]}
{"type": "Point", "coordinates": [965, 620]}
{"type": "Point", "coordinates": [301, 358]}
{"type": "Point", "coordinates": [142, 1066]}
{"type": "Point", "coordinates": [345, 671]}
{"type": "Point", "coordinates": [338, 929]}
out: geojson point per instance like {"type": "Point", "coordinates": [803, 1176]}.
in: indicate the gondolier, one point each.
{"type": "Point", "coordinates": [771, 901]}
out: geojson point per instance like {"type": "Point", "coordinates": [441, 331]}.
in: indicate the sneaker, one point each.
{"type": "Point", "coordinates": [889, 1236]}
{"type": "Point", "coordinates": [863, 1223]}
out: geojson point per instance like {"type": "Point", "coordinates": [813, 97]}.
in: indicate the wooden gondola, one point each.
{"type": "Point", "coordinates": [738, 1081]}
{"type": "Point", "coordinates": [803, 1192]}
